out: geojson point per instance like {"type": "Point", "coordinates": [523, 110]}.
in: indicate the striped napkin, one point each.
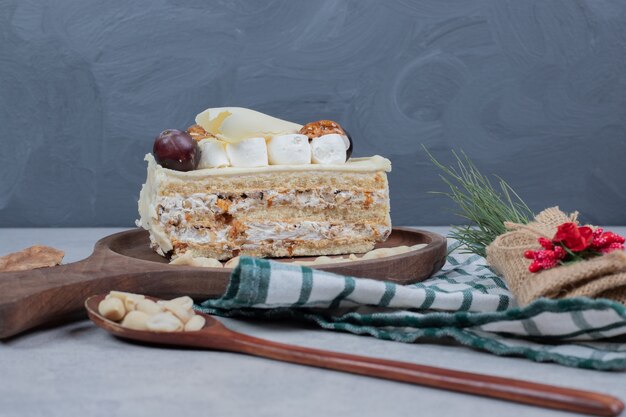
{"type": "Point", "coordinates": [464, 301]}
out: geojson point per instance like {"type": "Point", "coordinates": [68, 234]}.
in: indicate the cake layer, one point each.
{"type": "Point", "coordinates": [285, 238]}
{"type": "Point", "coordinates": [271, 249]}
{"type": "Point", "coordinates": [273, 211]}
{"type": "Point", "coordinates": [277, 239]}
{"type": "Point", "coordinates": [278, 181]}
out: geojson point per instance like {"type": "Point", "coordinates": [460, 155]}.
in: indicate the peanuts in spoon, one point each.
{"type": "Point", "coordinates": [136, 312]}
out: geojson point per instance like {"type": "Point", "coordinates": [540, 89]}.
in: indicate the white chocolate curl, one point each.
{"type": "Point", "coordinates": [212, 154]}
{"type": "Point", "coordinates": [292, 149]}
{"type": "Point", "coordinates": [232, 124]}
{"type": "Point", "coordinates": [328, 149]}
{"type": "Point", "coordinates": [248, 153]}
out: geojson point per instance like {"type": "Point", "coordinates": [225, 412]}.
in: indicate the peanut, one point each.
{"type": "Point", "coordinates": [148, 306]}
{"type": "Point", "coordinates": [185, 302]}
{"type": "Point", "coordinates": [136, 320]}
{"type": "Point", "coordinates": [164, 322]}
{"type": "Point", "coordinates": [112, 309]}
{"type": "Point", "coordinates": [179, 310]}
{"type": "Point", "coordinates": [195, 323]}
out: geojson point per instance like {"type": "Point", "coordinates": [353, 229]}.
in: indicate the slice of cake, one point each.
{"type": "Point", "coordinates": [263, 187]}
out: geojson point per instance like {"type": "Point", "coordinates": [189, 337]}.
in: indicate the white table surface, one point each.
{"type": "Point", "coordinates": [79, 370]}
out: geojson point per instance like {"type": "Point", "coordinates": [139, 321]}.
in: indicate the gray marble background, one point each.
{"type": "Point", "coordinates": [532, 90]}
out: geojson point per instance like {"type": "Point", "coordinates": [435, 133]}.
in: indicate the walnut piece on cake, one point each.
{"type": "Point", "coordinates": [198, 133]}
{"type": "Point", "coordinates": [321, 128]}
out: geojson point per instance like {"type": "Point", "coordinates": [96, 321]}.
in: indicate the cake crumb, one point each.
{"type": "Point", "coordinates": [188, 259]}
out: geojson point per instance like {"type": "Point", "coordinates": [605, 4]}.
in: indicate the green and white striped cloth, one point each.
{"type": "Point", "coordinates": [464, 301]}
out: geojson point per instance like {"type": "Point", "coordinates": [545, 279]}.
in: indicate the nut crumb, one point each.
{"type": "Point", "coordinates": [31, 258]}
{"type": "Point", "coordinates": [320, 128]}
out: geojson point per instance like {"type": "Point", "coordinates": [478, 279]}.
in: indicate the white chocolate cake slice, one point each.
{"type": "Point", "coordinates": [282, 210]}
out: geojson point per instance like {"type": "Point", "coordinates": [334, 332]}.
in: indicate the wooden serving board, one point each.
{"type": "Point", "coordinates": [125, 262]}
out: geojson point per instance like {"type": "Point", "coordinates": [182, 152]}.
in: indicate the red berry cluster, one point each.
{"type": "Point", "coordinates": [572, 243]}
{"type": "Point", "coordinates": [605, 242]}
{"type": "Point", "coordinates": [546, 258]}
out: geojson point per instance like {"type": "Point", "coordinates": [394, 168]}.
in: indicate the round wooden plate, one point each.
{"type": "Point", "coordinates": [404, 268]}
{"type": "Point", "coordinates": [125, 262]}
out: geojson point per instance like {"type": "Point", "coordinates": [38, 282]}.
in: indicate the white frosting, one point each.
{"type": "Point", "coordinates": [212, 154]}
{"type": "Point", "coordinates": [370, 164]}
{"type": "Point", "coordinates": [328, 149]}
{"type": "Point", "coordinates": [248, 153]}
{"type": "Point", "coordinates": [148, 218]}
{"type": "Point", "coordinates": [289, 149]}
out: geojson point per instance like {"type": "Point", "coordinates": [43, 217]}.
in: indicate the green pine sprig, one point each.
{"type": "Point", "coordinates": [484, 206]}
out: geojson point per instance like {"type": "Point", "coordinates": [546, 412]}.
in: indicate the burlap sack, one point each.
{"type": "Point", "coordinates": [600, 277]}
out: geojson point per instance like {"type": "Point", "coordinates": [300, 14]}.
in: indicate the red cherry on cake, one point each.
{"type": "Point", "coordinates": [176, 150]}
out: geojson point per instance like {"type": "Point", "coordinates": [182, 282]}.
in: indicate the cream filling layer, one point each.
{"type": "Point", "coordinates": [260, 232]}
{"type": "Point", "coordinates": [174, 209]}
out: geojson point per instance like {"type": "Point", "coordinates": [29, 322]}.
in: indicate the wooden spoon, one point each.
{"type": "Point", "coordinates": [216, 336]}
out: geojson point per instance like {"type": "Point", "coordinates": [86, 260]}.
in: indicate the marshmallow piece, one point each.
{"type": "Point", "coordinates": [248, 153]}
{"type": "Point", "coordinates": [329, 149]}
{"type": "Point", "coordinates": [212, 154]}
{"type": "Point", "coordinates": [346, 141]}
{"type": "Point", "coordinates": [293, 149]}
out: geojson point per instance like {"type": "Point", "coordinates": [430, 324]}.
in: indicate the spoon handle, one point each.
{"type": "Point", "coordinates": [549, 396]}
